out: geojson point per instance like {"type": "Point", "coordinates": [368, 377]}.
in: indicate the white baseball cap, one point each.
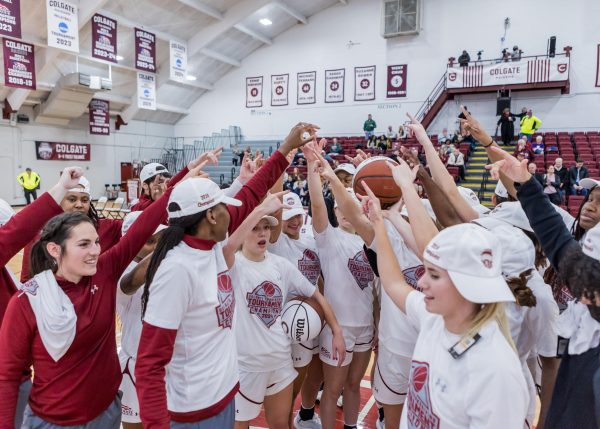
{"type": "Point", "coordinates": [271, 220]}
{"type": "Point", "coordinates": [428, 207]}
{"type": "Point", "coordinates": [348, 168]}
{"type": "Point", "coordinates": [131, 218]}
{"type": "Point", "coordinates": [591, 243]}
{"type": "Point", "coordinates": [196, 195]}
{"type": "Point", "coordinates": [589, 183]}
{"type": "Point", "coordinates": [471, 197]}
{"type": "Point", "coordinates": [296, 208]}
{"type": "Point", "coordinates": [352, 194]}
{"type": "Point", "coordinates": [151, 170]}
{"type": "Point", "coordinates": [518, 252]}
{"type": "Point", "coordinates": [509, 212]}
{"type": "Point", "coordinates": [83, 187]}
{"type": "Point", "coordinates": [6, 212]}
{"type": "Point", "coordinates": [473, 258]}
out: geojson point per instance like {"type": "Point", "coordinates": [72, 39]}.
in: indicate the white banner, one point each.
{"type": "Point", "coordinates": [334, 85]}
{"type": "Point", "coordinates": [306, 93]}
{"type": "Point", "coordinates": [525, 71]}
{"type": "Point", "coordinates": [364, 83]}
{"type": "Point", "coordinates": [146, 90]}
{"type": "Point", "coordinates": [178, 61]}
{"type": "Point", "coordinates": [254, 89]}
{"type": "Point", "coordinates": [63, 25]}
{"type": "Point", "coordinates": [279, 89]}
{"type": "Point", "coordinates": [598, 67]}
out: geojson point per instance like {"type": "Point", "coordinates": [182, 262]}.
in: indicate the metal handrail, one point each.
{"type": "Point", "coordinates": [483, 186]}
{"type": "Point", "coordinates": [431, 98]}
{"type": "Point", "coordinates": [232, 174]}
{"type": "Point", "coordinates": [501, 60]}
{"type": "Point", "coordinates": [221, 179]}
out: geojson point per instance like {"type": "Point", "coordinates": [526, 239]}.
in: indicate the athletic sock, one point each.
{"type": "Point", "coordinates": [381, 416]}
{"type": "Point", "coordinates": [306, 413]}
{"type": "Point", "coordinates": [349, 426]}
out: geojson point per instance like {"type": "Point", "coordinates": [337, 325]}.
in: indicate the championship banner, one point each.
{"type": "Point", "coordinates": [19, 64]}
{"type": "Point", "coordinates": [396, 81]}
{"type": "Point", "coordinates": [99, 117]}
{"type": "Point", "coordinates": [145, 50]}
{"type": "Point", "coordinates": [146, 91]}
{"type": "Point", "coordinates": [10, 18]}
{"type": "Point", "coordinates": [334, 85]}
{"type": "Point", "coordinates": [279, 89]}
{"type": "Point", "coordinates": [178, 61]}
{"type": "Point", "coordinates": [364, 83]}
{"type": "Point", "coordinates": [254, 89]}
{"type": "Point", "coordinates": [307, 83]}
{"type": "Point", "coordinates": [63, 25]}
{"type": "Point", "coordinates": [104, 38]}
{"type": "Point", "coordinates": [52, 151]}
{"type": "Point", "coordinates": [598, 67]}
{"type": "Point", "coordinates": [525, 71]}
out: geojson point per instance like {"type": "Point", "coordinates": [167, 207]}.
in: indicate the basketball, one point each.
{"type": "Point", "coordinates": [302, 319]}
{"type": "Point", "coordinates": [377, 175]}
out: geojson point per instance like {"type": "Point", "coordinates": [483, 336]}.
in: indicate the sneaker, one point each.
{"type": "Point", "coordinates": [340, 401]}
{"type": "Point", "coordinates": [314, 423]}
{"type": "Point", "coordinates": [380, 424]}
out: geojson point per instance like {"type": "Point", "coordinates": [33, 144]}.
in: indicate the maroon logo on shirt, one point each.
{"type": "Point", "coordinates": [265, 302]}
{"type": "Point", "coordinates": [420, 412]}
{"type": "Point", "coordinates": [412, 275]}
{"type": "Point", "coordinates": [361, 270]}
{"type": "Point", "coordinates": [310, 265]}
{"type": "Point", "coordinates": [226, 306]}
{"type": "Point", "coordinates": [30, 287]}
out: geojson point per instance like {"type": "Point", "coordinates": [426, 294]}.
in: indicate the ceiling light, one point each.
{"type": "Point", "coordinates": [120, 58]}
{"type": "Point", "coordinates": [190, 77]}
{"type": "Point", "coordinates": [265, 21]}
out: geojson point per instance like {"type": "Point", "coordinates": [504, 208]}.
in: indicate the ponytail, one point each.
{"type": "Point", "coordinates": [93, 215]}
{"type": "Point", "coordinates": [57, 230]}
{"type": "Point", "coordinates": [540, 257]}
{"type": "Point", "coordinates": [523, 294]}
{"type": "Point", "coordinates": [171, 237]}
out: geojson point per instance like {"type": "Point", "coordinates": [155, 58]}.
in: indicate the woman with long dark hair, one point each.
{"type": "Point", "coordinates": [64, 323]}
{"type": "Point", "coordinates": [188, 302]}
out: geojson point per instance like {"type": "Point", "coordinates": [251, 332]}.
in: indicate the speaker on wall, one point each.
{"type": "Point", "coordinates": [501, 104]}
{"type": "Point", "coordinates": [552, 47]}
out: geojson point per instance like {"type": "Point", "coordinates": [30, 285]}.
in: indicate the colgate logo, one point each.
{"type": "Point", "coordinates": [561, 67]}
{"type": "Point", "coordinates": [451, 77]}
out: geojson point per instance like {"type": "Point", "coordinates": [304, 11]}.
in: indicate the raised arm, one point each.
{"type": "Point", "coordinates": [444, 210]}
{"type": "Point", "coordinates": [402, 226]}
{"type": "Point", "coordinates": [136, 278]}
{"type": "Point", "coordinates": [317, 201]}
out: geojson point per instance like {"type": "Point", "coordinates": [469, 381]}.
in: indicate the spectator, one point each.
{"type": "Point", "coordinates": [372, 142]}
{"type": "Point", "coordinates": [335, 148]}
{"type": "Point", "coordinates": [443, 152]}
{"type": "Point", "coordinates": [529, 125]}
{"type": "Point", "coordinates": [30, 181]}
{"type": "Point", "coordinates": [464, 59]}
{"type": "Point", "coordinates": [551, 185]}
{"type": "Point", "coordinates": [538, 146]}
{"type": "Point", "coordinates": [444, 137]}
{"type": "Point", "coordinates": [524, 150]}
{"type": "Point", "coordinates": [299, 158]}
{"type": "Point", "coordinates": [288, 182]}
{"type": "Point", "coordinates": [576, 173]}
{"type": "Point", "coordinates": [383, 143]}
{"type": "Point", "coordinates": [507, 126]}
{"type": "Point", "coordinates": [563, 175]}
{"type": "Point", "coordinates": [532, 168]}
{"type": "Point", "coordinates": [369, 127]}
{"type": "Point", "coordinates": [236, 154]}
{"type": "Point", "coordinates": [401, 133]}
{"type": "Point", "coordinates": [391, 135]}
{"type": "Point", "coordinates": [505, 55]}
{"type": "Point", "coordinates": [516, 53]}
{"type": "Point", "coordinates": [301, 189]}
{"type": "Point", "coordinates": [457, 159]}
{"type": "Point", "coordinates": [345, 172]}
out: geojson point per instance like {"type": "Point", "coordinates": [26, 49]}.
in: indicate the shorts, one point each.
{"type": "Point", "coordinates": [130, 407]}
{"type": "Point", "coordinates": [302, 353]}
{"type": "Point", "coordinates": [391, 378]}
{"type": "Point", "coordinates": [254, 386]}
{"type": "Point", "coordinates": [358, 339]}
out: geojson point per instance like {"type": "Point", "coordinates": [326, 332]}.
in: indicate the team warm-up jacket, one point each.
{"type": "Point", "coordinates": [84, 382]}
{"type": "Point", "coordinates": [157, 344]}
{"type": "Point", "coordinates": [145, 200]}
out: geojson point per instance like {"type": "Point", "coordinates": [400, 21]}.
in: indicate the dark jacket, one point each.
{"type": "Point", "coordinates": [573, 175]}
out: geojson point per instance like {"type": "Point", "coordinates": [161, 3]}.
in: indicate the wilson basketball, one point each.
{"type": "Point", "coordinates": [377, 175]}
{"type": "Point", "coordinates": [302, 319]}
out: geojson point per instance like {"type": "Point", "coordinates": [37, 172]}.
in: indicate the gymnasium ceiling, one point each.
{"type": "Point", "coordinates": [219, 35]}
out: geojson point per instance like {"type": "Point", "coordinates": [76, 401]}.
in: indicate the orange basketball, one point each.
{"type": "Point", "coordinates": [377, 175]}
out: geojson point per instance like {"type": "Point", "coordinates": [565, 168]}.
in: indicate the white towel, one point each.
{"type": "Point", "coordinates": [577, 324]}
{"type": "Point", "coordinates": [54, 313]}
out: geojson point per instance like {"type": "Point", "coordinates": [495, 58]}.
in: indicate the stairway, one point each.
{"type": "Point", "coordinates": [474, 173]}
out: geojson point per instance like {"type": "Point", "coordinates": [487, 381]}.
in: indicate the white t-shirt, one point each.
{"type": "Point", "coordinates": [129, 309]}
{"type": "Point", "coordinates": [482, 389]}
{"type": "Point", "coordinates": [192, 293]}
{"type": "Point", "coordinates": [306, 228]}
{"type": "Point", "coordinates": [301, 252]}
{"type": "Point", "coordinates": [348, 276]}
{"type": "Point", "coordinates": [395, 331]}
{"type": "Point", "coordinates": [577, 324]}
{"type": "Point", "coordinates": [261, 289]}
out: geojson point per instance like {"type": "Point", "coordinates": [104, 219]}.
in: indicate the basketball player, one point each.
{"type": "Point", "coordinates": [462, 328]}
{"type": "Point", "coordinates": [348, 288]}
{"type": "Point", "coordinates": [263, 282]}
{"type": "Point", "coordinates": [188, 317]}
{"type": "Point", "coordinates": [64, 323]}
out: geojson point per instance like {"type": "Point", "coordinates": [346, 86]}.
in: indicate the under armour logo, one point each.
{"type": "Point", "coordinates": [440, 385]}
{"type": "Point", "coordinates": [93, 289]}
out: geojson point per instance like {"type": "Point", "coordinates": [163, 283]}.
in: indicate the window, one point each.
{"type": "Point", "coordinates": [400, 17]}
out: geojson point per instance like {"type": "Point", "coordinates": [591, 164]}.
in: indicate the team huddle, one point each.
{"type": "Point", "coordinates": [445, 297]}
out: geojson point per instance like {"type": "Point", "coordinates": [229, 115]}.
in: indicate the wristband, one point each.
{"type": "Point", "coordinates": [491, 143]}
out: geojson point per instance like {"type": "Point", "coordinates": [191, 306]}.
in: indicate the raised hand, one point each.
{"type": "Point", "coordinates": [415, 128]}
{"type": "Point", "coordinates": [360, 157]}
{"type": "Point", "coordinates": [212, 156]}
{"type": "Point", "coordinates": [395, 210]}
{"type": "Point", "coordinates": [402, 173]}
{"type": "Point", "coordinates": [409, 157]}
{"type": "Point", "coordinates": [510, 166]}
{"type": "Point", "coordinates": [371, 205]}
{"type": "Point", "coordinates": [249, 167]}
{"type": "Point", "coordinates": [311, 150]}
{"type": "Point", "coordinates": [472, 126]}
{"type": "Point", "coordinates": [197, 172]}
{"type": "Point", "coordinates": [325, 170]}
{"type": "Point", "coordinates": [296, 139]}
{"type": "Point", "coordinates": [274, 202]}
{"type": "Point", "coordinates": [70, 176]}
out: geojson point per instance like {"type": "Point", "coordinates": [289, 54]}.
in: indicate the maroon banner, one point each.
{"type": "Point", "coordinates": [104, 38]}
{"type": "Point", "coordinates": [53, 151]}
{"type": "Point", "coordinates": [396, 81]}
{"type": "Point", "coordinates": [99, 117]}
{"type": "Point", "coordinates": [145, 50]}
{"type": "Point", "coordinates": [19, 64]}
{"type": "Point", "coordinates": [10, 18]}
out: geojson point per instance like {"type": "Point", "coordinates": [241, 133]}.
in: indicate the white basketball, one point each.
{"type": "Point", "coordinates": [300, 321]}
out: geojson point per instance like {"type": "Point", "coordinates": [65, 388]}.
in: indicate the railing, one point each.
{"type": "Point", "coordinates": [484, 182]}
{"type": "Point", "coordinates": [232, 174]}
{"type": "Point", "coordinates": [221, 179]}
{"type": "Point", "coordinates": [500, 60]}
{"type": "Point", "coordinates": [431, 98]}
